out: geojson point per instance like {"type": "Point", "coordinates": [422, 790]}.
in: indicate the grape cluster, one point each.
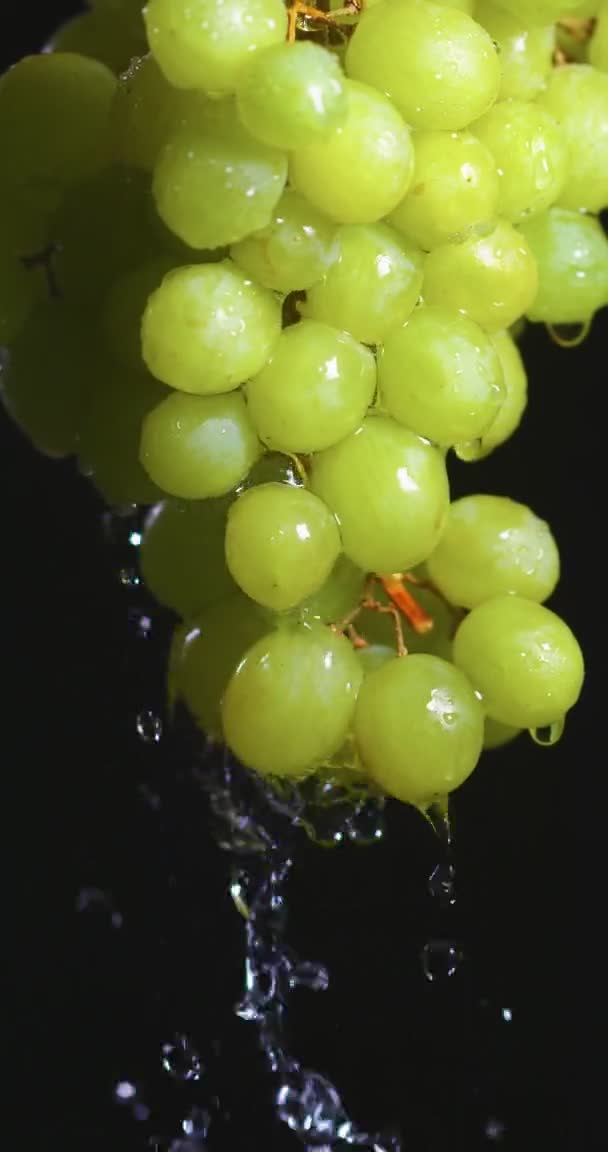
{"type": "Point", "coordinates": [263, 267]}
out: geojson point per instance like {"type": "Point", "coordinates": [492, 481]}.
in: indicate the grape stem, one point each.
{"type": "Point", "coordinates": [298, 9]}
{"type": "Point", "coordinates": [419, 619]}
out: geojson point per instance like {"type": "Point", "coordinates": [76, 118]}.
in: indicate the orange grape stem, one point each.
{"type": "Point", "coordinates": [297, 9]}
{"type": "Point", "coordinates": [395, 589]}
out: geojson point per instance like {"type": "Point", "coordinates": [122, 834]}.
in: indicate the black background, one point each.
{"type": "Point", "coordinates": [93, 1003]}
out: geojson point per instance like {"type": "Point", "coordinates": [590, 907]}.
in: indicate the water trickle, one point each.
{"type": "Point", "coordinates": [149, 726]}
{"type": "Point", "coordinates": [548, 734]}
{"type": "Point", "coordinates": [180, 1059]}
{"type": "Point", "coordinates": [440, 959]}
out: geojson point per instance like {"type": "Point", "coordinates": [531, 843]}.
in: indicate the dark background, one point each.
{"type": "Point", "coordinates": [157, 949]}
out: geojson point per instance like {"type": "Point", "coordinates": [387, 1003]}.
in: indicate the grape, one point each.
{"type": "Point", "coordinates": [203, 44]}
{"type": "Point", "coordinates": [332, 380]}
{"type": "Point", "coordinates": [207, 653]}
{"type": "Point", "coordinates": [389, 491]}
{"type": "Point", "coordinates": [571, 252]}
{"type": "Point", "coordinates": [514, 401]}
{"type": "Point", "coordinates": [207, 328]}
{"type": "Point", "coordinates": [293, 251]}
{"type": "Point", "coordinates": [523, 659]}
{"type": "Point", "coordinates": [441, 376]}
{"type": "Point", "coordinates": [598, 45]}
{"type": "Point", "coordinates": [145, 110]}
{"type": "Point", "coordinates": [118, 399]}
{"type": "Point", "coordinates": [495, 735]}
{"type": "Point", "coordinates": [454, 191]}
{"type": "Point", "coordinates": [273, 467]}
{"type": "Point", "coordinates": [213, 183]}
{"type": "Point", "coordinates": [493, 279]}
{"type": "Point", "coordinates": [577, 97]}
{"type": "Point", "coordinates": [291, 94]}
{"type": "Point", "coordinates": [339, 595]}
{"type": "Point", "coordinates": [55, 120]}
{"type": "Point", "coordinates": [372, 283]}
{"type": "Point", "coordinates": [439, 67]}
{"type": "Point", "coordinates": [418, 727]}
{"type": "Point", "coordinates": [374, 656]}
{"type": "Point", "coordinates": [525, 53]}
{"type": "Point", "coordinates": [290, 702]}
{"type": "Point", "coordinates": [492, 545]}
{"type": "Point", "coordinates": [45, 380]}
{"type": "Point", "coordinates": [182, 557]}
{"type": "Point", "coordinates": [361, 169]}
{"type": "Point", "coordinates": [122, 308]}
{"type": "Point", "coordinates": [198, 446]}
{"type": "Point", "coordinates": [17, 295]}
{"type": "Point", "coordinates": [98, 34]}
{"type": "Point", "coordinates": [532, 12]}
{"type": "Point", "coordinates": [281, 544]}
{"type": "Point", "coordinates": [531, 156]}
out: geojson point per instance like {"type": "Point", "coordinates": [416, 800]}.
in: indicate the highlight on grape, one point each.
{"type": "Point", "coordinates": [263, 270]}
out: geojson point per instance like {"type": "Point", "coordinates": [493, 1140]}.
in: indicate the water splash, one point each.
{"type": "Point", "coordinates": [180, 1059]}
{"type": "Point", "coordinates": [441, 956]}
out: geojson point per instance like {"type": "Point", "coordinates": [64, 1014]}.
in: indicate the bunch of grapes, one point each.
{"type": "Point", "coordinates": [263, 268]}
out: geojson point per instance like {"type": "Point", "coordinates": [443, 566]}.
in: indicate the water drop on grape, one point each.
{"type": "Point", "coordinates": [469, 452]}
{"type": "Point", "coordinates": [549, 734]}
{"type": "Point", "coordinates": [149, 726]}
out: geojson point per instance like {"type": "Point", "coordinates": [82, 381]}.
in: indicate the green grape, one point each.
{"type": "Point", "coordinates": [207, 653]}
{"type": "Point", "coordinates": [454, 191]}
{"type": "Point", "coordinates": [213, 183]}
{"type": "Point", "coordinates": [291, 94]}
{"type": "Point", "coordinates": [281, 544]}
{"type": "Point", "coordinates": [55, 120]}
{"type": "Point", "coordinates": [598, 45]}
{"type": "Point", "coordinates": [289, 705]}
{"type": "Point", "coordinates": [418, 728]}
{"type": "Point", "coordinates": [182, 557]}
{"type": "Point", "coordinates": [204, 44]}
{"type": "Point", "coordinates": [198, 446]}
{"type": "Point", "coordinates": [514, 402]}
{"type": "Point", "coordinates": [293, 251]}
{"type": "Point", "coordinates": [207, 328]}
{"type": "Point", "coordinates": [23, 235]}
{"type": "Point", "coordinates": [532, 12]}
{"type": "Point", "coordinates": [17, 295]}
{"type": "Point", "coordinates": [531, 156]}
{"type": "Point", "coordinates": [493, 279]}
{"type": "Point", "coordinates": [98, 35]}
{"type": "Point", "coordinates": [441, 376]}
{"type": "Point", "coordinates": [490, 546]}
{"type": "Point", "coordinates": [145, 111]}
{"type": "Point", "coordinates": [372, 283]}
{"type": "Point", "coordinates": [339, 595]}
{"type": "Point", "coordinates": [118, 399]}
{"type": "Point", "coordinates": [45, 381]}
{"type": "Point", "coordinates": [332, 380]}
{"type": "Point", "coordinates": [274, 467]}
{"type": "Point", "coordinates": [523, 659]}
{"type": "Point", "coordinates": [496, 735]}
{"type": "Point", "coordinates": [463, 5]}
{"type": "Point", "coordinates": [439, 67]}
{"type": "Point", "coordinates": [374, 656]}
{"type": "Point", "coordinates": [526, 54]}
{"type": "Point", "coordinates": [389, 491]}
{"type": "Point", "coordinates": [577, 97]}
{"type": "Point", "coordinates": [571, 252]}
{"type": "Point", "coordinates": [361, 170]}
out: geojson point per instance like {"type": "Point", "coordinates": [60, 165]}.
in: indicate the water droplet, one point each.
{"type": "Point", "coordinates": [469, 452]}
{"type": "Point", "coordinates": [310, 975]}
{"type": "Point", "coordinates": [129, 578]}
{"type": "Point", "coordinates": [494, 1129]}
{"type": "Point", "coordinates": [124, 1090]}
{"type": "Point", "coordinates": [140, 623]}
{"type": "Point", "coordinates": [569, 335]}
{"type": "Point", "coordinates": [197, 1124]}
{"type": "Point", "coordinates": [95, 901]}
{"type": "Point", "coordinates": [135, 539]}
{"type": "Point", "coordinates": [440, 959]}
{"type": "Point", "coordinates": [149, 726]}
{"type": "Point", "coordinates": [181, 1060]}
{"type": "Point", "coordinates": [312, 1109]}
{"type": "Point", "coordinates": [366, 826]}
{"type": "Point", "coordinates": [507, 1015]}
{"type": "Point", "coordinates": [549, 734]}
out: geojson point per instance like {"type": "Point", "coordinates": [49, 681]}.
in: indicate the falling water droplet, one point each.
{"type": "Point", "coordinates": [124, 1090]}
{"type": "Point", "coordinates": [549, 734]}
{"type": "Point", "coordinates": [100, 906]}
{"type": "Point", "coordinates": [149, 726]}
{"type": "Point", "coordinates": [469, 452]}
{"type": "Point", "coordinates": [494, 1129]}
{"type": "Point", "coordinates": [366, 826]}
{"type": "Point", "coordinates": [129, 578]}
{"type": "Point", "coordinates": [311, 1108]}
{"type": "Point", "coordinates": [440, 884]}
{"type": "Point", "coordinates": [197, 1124]}
{"type": "Point", "coordinates": [507, 1015]}
{"type": "Point", "coordinates": [307, 974]}
{"type": "Point", "coordinates": [180, 1059]}
{"type": "Point", "coordinates": [440, 959]}
{"type": "Point", "coordinates": [135, 539]}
